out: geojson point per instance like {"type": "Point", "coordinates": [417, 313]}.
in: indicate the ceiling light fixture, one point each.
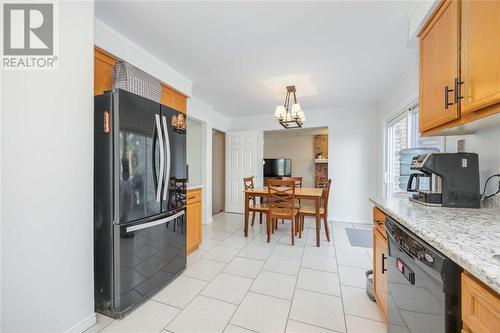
{"type": "Point", "coordinates": [290, 118]}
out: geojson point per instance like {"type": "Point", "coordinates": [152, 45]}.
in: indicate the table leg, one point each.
{"type": "Point", "coordinates": [318, 222]}
{"type": "Point", "coordinates": [246, 215]}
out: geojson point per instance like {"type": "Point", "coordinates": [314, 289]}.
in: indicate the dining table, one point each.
{"type": "Point", "coordinates": [301, 193]}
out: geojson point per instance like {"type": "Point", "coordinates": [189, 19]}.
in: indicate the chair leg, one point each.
{"type": "Point", "coordinates": [292, 232]}
{"type": "Point", "coordinates": [253, 218]}
{"type": "Point", "coordinates": [300, 226]}
{"type": "Point", "coordinates": [260, 217]}
{"type": "Point", "coordinates": [327, 228]}
{"type": "Point", "coordinates": [272, 226]}
{"type": "Point", "coordinates": [268, 227]}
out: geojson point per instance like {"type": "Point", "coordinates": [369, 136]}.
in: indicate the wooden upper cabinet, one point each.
{"type": "Point", "coordinates": [173, 99]}
{"type": "Point", "coordinates": [103, 81]}
{"type": "Point", "coordinates": [480, 61]}
{"type": "Point", "coordinates": [103, 71]}
{"type": "Point", "coordinates": [439, 66]}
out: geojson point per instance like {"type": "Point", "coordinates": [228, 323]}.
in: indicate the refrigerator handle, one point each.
{"type": "Point", "coordinates": [167, 157]}
{"type": "Point", "coordinates": [155, 176]}
{"type": "Point", "coordinates": [162, 157]}
{"type": "Point", "coordinates": [154, 223]}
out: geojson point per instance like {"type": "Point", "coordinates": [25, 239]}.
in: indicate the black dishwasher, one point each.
{"type": "Point", "coordinates": [423, 285]}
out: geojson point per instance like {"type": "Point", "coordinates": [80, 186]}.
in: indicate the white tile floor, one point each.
{"type": "Point", "coordinates": [237, 284]}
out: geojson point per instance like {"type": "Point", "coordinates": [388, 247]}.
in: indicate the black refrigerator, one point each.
{"type": "Point", "coordinates": [139, 200]}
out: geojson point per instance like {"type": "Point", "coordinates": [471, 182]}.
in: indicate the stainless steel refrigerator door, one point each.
{"type": "Point", "coordinates": [140, 150]}
{"type": "Point", "coordinates": [147, 256]}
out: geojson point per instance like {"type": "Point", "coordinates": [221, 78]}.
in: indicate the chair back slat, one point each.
{"type": "Point", "coordinates": [281, 195]}
{"type": "Point", "coordinates": [248, 182]}
{"type": "Point", "coordinates": [298, 180]}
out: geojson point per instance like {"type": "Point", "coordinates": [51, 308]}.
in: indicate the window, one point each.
{"type": "Point", "coordinates": [402, 133]}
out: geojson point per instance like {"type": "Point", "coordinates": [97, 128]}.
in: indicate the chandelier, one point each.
{"type": "Point", "coordinates": [293, 118]}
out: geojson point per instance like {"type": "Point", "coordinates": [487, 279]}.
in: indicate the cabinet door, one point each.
{"type": "Point", "coordinates": [480, 50]}
{"type": "Point", "coordinates": [194, 213]}
{"type": "Point", "coordinates": [439, 67]}
{"type": "Point", "coordinates": [380, 270]}
{"type": "Point", "coordinates": [480, 307]}
{"type": "Point", "coordinates": [103, 71]}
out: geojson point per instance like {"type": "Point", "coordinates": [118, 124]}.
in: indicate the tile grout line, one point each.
{"type": "Point", "coordinates": [340, 283]}
{"type": "Point", "coordinates": [249, 289]}
{"type": "Point", "coordinates": [296, 282]}
{"type": "Point", "coordinates": [191, 301]}
{"type": "Point", "coordinates": [323, 328]}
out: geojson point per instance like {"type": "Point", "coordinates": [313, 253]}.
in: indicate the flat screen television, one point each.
{"type": "Point", "coordinates": [277, 167]}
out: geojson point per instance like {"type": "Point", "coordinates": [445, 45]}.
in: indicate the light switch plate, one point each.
{"type": "Point", "coordinates": [461, 145]}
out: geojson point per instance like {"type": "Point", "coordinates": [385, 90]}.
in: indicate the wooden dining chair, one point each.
{"type": "Point", "coordinates": [311, 211]}
{"type": "Point", "coordinates": [253, 206]}
{"type": "Point", "coordinates": [298, 180]}
{"type": "Point", "coordinates": [298, 183]}
{"type": "Point", "coordinates": [281, 196]}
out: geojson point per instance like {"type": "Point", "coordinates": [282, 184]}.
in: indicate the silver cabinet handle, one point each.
{"type": "Point", "coordinates": [167, 145]}
{"type": "Point", "coordinates": [154, 223]}
{"type": "Point", "coordinates": [162, 157]}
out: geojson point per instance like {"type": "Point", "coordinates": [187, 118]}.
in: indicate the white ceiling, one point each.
{"type": "Point", "coordinates": [241, 55]}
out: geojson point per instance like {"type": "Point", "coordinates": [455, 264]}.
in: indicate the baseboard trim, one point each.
{"type": "Point", "coordinates": [83, 325]}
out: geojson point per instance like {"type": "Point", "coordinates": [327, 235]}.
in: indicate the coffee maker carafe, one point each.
{"type": "Point", "coordinates": [445, 179]}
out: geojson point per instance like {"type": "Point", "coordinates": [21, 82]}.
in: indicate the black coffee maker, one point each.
{"type": "Point", "coordinates": [451, 180]}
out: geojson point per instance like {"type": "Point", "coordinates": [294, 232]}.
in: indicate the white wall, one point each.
{"type": "Point", "coordinates": [299, 148]}
{"type": "Point", "coordinates": [47, 171]}
{"type": "Point", "coordinates": [210, 119]}
{"type": "Point", "coordinates": [194, 147]}
{"type": "Point", "coordinates": [112, 41]}
{"type": "Point", "coordinates": [352, 150]}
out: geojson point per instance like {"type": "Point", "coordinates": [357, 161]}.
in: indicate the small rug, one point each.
{"type": "Point", "coordinates": [360, 237]}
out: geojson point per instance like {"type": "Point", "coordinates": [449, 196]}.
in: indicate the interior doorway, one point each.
{"type": "Point", "coordinates": [303, 151]}
{"type": "Point", "coordinates": [218, 171]}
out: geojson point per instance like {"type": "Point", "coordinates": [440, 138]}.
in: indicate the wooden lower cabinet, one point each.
{"type": "Point", "coordinates": [480, 307]}
{"type": "Point", "coordinates": [193, 218]}
{"type": "Point", "coordinates": [380, 253]}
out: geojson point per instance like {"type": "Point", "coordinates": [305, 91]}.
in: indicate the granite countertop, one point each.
{"type": "Point", "coordinates": [469, 237]}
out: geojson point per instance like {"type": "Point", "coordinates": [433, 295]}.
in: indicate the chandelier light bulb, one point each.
{"type": "Point", "coordinates": [296, 110]}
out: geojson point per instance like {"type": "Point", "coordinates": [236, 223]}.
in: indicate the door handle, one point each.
{"type": "Point", "coordinates": [447, 91]}
{"type": "Point", "coordinates": [154, 223]}
{"type": "Point", "coordinates": [162, 157]}
{"type": "Point", "coordinates": [153, 155]}
{"type": "Point", "coordinates": [383, 263]}
{"type": "Point", "coordinates": [167, 157]}
{"type": "Point", "coordinates": [458, 94]}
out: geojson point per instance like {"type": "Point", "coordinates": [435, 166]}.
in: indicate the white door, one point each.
{"type": "Point", "coordinates": [244, 156]}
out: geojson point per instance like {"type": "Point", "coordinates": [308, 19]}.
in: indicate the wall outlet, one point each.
{"type": "Point", "coordinates": [461, 145]}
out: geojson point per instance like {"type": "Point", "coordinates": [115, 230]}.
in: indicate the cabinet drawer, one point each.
{"type": "Point", "coordinates": [480, 307]}
{"type": "Point", "coordinates": [193, 196]}
{"type": "Point", "coordinates": [379, 220]}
